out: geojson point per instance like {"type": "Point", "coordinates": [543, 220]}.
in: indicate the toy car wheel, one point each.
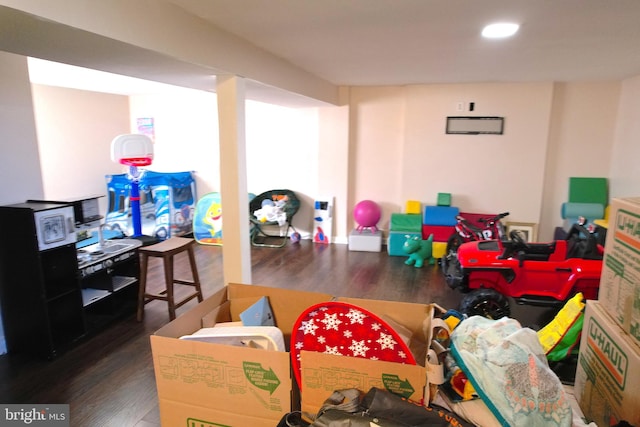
{"type": "Point", "coordinates": [452, 273]}
{"type": "Point", "coordinates": [450, 255]}
{"type": "Point", "coordinates": [453, 243]}
{"type": "Point", "coordinates": [487, 303]}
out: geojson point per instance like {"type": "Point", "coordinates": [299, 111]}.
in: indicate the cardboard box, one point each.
{"type": "Point", "coordinates": [217, 385]}
{"type": "Point", "coordinates": [620, 280]}
{"type": "Point", "coordinates": [323, 373]}
{"type": "Point", "coordinates": [607, 384]}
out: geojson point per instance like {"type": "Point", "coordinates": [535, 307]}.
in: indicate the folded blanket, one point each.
{"type": "Point", "coordinates": [508, 369]}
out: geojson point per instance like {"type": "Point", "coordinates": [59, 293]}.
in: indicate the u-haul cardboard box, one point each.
{"type": "Point", "coordinates": [620, 281]}
{"type": "Point", "coordinates": [204, 384]}
{"type": "Point", "coordinates": [607, 384]}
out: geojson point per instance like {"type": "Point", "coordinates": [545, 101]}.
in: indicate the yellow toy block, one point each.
{"type": "Point", "coordinates": [439, 249]}
{"type": "Point", "coordinates": [414, 207]}
{"type": "Point", "coordinates": [604, 222]}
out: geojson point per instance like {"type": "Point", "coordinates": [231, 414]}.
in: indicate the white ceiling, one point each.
{"type": "Point", "coordinates": [399, 42]}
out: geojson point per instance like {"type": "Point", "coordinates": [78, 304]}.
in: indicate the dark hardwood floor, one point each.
{"type": "Point", "coordinates": [108, 379]}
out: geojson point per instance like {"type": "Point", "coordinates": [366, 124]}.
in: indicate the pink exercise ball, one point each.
{"type": "Point", "coordinates": [367, 213]}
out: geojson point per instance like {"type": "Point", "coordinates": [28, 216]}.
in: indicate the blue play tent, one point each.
{"type": "Point", "coordinates": [167, 203]}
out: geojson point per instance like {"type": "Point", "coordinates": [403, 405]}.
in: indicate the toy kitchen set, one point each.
{"type": "Point", "coordinates": [62, 275]}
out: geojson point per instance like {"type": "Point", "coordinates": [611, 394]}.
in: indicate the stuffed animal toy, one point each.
{"type": "Point", "coordinates": [272, 211]}
{"type": "Point", "coordinates": [418, 250]}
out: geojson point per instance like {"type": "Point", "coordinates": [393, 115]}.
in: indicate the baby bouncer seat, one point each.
{"type": "Point", "coordinates": [271, 214]}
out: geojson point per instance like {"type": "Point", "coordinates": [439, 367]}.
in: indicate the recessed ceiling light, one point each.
{"type": "Point", "coordinates": [500, 30]}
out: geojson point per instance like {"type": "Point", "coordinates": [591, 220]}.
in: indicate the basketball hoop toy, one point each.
{"type": "Point", "coordinates": [133, 150]}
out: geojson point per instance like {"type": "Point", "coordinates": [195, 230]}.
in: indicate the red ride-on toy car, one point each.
{"type": "Point", "coordinates": [542, 274]}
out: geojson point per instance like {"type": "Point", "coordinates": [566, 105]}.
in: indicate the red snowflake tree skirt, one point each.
{"type": "Point", "coordinates": [347, 330]}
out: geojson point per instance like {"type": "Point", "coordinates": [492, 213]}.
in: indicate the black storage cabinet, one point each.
{"type": "Point", "coordinates": [40, 292]}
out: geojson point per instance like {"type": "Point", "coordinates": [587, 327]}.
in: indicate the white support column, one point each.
{"type": "Point", "coordinates": [236, 247]}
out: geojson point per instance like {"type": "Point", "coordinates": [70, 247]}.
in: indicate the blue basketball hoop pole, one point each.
{"type": "Point", "coordinates": [133, 150]}
{"type": "Point", "coordinates": [134, 200]}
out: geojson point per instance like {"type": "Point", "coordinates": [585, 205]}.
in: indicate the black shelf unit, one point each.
{"type": "Point", "coordinates": [39, 289]}
{"type": "Point", "coordinates": [46, 300]}
{"type": "Point", "coordinates": [110, 293]}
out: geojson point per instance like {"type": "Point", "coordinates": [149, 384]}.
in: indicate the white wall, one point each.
{"type": "Point", "coordinates": [402, 152]}
{"type": "Point", "coordinates": [552, 132]}
{"type": "Point", "coordinates": [484, 173]}
{"type": "Point", "coordinates": [581, 138]}
{"type": "Point", "coordinates": [19, 160]}
{"type": "Point", "coordinates": [625, 173]}
{"type": "Point", "coordinates": [282, 152]}
{"type": "Point", "coordinates": [333, 167]}
{"type": "Point", "coordinates": [377, 138]}
{"type": "Point", "coordinates": [281, 144]}
{"type": "Point", "coordinates": [75, 129]}
{"type": "Point", "coordinates": [186, 133]}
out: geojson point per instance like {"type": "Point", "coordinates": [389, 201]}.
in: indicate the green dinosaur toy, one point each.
{"type": "Point", "coordinates": [418, 250]}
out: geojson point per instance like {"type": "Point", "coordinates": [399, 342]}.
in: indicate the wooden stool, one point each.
{"type": "Point", "coordinates": [167, 250]}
